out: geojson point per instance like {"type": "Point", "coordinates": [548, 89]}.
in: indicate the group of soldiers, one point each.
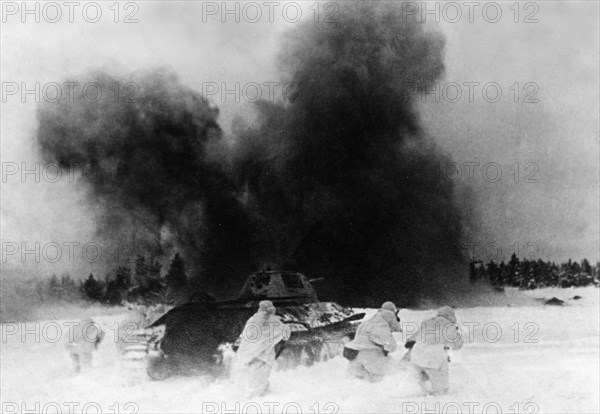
{"type": "Point", "coordinates": [368, 353]}
{"type": "Point", "coordinates": [427, 349]}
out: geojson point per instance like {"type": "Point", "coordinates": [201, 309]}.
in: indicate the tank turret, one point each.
{"type": "Point", "coordinates": [272, 284]}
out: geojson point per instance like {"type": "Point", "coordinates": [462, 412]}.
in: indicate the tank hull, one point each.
{"type": "Point", "coordinates": [190, 339]}
{"type": "Point", "coordinates": [194, 333]}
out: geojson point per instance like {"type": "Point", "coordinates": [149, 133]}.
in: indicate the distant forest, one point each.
{"type": "Point", "coordinates": [146, 283]}
{"type": "Point", "coordinates": [534, 274]}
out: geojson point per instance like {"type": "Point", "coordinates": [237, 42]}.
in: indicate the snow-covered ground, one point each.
{"type": "Point", "coordinates": [518, 359]}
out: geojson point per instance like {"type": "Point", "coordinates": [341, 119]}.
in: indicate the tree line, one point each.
{"type": "Point", "coordinates": [145, 284]}
{"type": "Point", "coordinates": [534, 274]}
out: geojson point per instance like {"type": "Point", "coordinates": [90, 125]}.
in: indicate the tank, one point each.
{"type": "Point", "coordinates": [194, 338]}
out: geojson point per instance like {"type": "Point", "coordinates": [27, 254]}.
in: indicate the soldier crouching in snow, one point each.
{"type": "Point", "coordinates": [256, 354]}
{"type": "Point", "coordinates": [373, 341]}
{"type": "Point", "coordinates": [428, 349]}
{"type": "Point", "coordinates": [83, 339]}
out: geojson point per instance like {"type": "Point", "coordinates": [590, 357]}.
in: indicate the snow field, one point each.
{"type": "Point", "coordinates": [534, 359]}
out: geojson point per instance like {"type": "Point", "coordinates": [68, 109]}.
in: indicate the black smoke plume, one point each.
{"type": "Point", "coordinates": [337, 183]}
{"type": "Point", "coordinates": [143, 151]}
{"type": "Point", "coordinates": [342, 177]}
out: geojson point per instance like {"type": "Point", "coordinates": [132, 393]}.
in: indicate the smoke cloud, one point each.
{"type": "Point", "coordinates": [341, 178]}
{"type": "Point", "coordinates": [336, 183]}
{"type": "Point", "coordinates": [145, 157]}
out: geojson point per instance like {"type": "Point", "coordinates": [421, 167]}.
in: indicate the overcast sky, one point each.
{"type": "Point", "coordinates": [546, 150]}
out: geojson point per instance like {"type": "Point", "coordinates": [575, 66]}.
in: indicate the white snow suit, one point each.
{"type": "Point", "coordinates": [256, 354]}
{"type": "Point", "coordinates": [373, 340]}
{"type": "Point", "coordinates": [82, 340]}
{"type": "Point", "coordinates": [429, 353]}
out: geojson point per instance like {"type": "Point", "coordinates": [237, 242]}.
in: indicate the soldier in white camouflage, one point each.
{"type": "Point", "coordinates": [428, 350]}
{"type": "Point", "coordinates": [374, 340]}
{"type": "Point", "coordinates": [256, 354]}
{"type": "Point", "coordinates": [82, 341]}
